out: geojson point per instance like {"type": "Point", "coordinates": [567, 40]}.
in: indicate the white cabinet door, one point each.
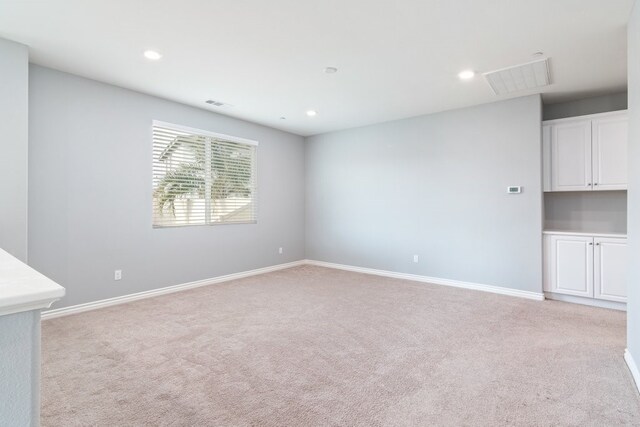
{"type": "Point", "coordinates": [571, 156]}
{"type": "Point", "coordinates": [610, 264]}
{"type": "Point", "coordinates": [546, 157]}
{"type": "Point", "coordinates": [610, 136]}
{"type": "Point", "coordinates": [570, 264]}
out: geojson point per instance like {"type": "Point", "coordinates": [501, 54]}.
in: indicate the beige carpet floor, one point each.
{"type": "Point", "coordinates": [311, 346]}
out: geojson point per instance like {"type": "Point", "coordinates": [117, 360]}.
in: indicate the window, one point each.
{"type": "Point", "coordinates": [202, 178]}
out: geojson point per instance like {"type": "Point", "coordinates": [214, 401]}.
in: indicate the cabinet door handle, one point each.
{"type": "Point", "coordinates": [595, 183]}
{"type": "Point", "coordinates": [590, 244]}
{"type": "Point", "coordinates": [589, 184]}
{"type": "Point", "coordinates": [597, 244]}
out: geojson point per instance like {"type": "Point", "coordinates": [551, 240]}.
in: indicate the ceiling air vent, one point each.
{"type": "Point", "coordinates": [520, 77]}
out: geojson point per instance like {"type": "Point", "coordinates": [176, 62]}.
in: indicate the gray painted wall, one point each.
{"type": "Point", "coordinates": [20, 369]}
{"type": "Point", "coordinates": [588, 211]}
{"type": "Point", "coordinates": [14, 89]}
{"type": "Point", "coordinates": [435, 186]}
{"type": "Point", "coordinates": [593, 105]}
{"type": "Point", "coordinates": [90, 196]}
{"type": "Point", "coordinates": [633, 304]}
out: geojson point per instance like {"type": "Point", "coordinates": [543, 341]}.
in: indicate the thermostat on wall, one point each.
{"type": "Point", "coordinates": [514, 190]}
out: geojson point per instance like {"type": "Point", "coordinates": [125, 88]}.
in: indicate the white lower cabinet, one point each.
{"type": "Point", "coordinates": [609, 269]}
{"type": "Point", "coordinates": [586, 266]}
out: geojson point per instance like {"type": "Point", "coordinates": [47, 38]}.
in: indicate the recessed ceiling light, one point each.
{"type": "Point", "coordinates": [152, 55]}
{"type": "Point", "coordinates": [331, 70]}
{"type": "Point", "coordinates": [466, 74]}
{"type": "Point", "coordinates": [312, 113]}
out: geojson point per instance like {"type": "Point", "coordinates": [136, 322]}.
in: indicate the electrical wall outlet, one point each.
{"type": "Point", "coordinates": [280, 251]}
{"type": "Point", "coordinates": [117, 275]}
{"type": "Point", "coordinates": [415, 258]}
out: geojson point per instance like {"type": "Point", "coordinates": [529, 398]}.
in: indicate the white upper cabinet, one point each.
{"type": "Point", "coordinates": [585, 154]}
{"type": "Point", "coordinates": [609, 136]}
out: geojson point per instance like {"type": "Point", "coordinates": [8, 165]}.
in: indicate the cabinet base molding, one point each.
{"type": "Point", "coordinates": [635, 373]}
{"type": "Point", "coordinates": [586, 301]}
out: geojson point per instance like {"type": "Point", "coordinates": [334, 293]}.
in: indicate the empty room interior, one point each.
{"type": "Point", "coordinates": [336, 213]}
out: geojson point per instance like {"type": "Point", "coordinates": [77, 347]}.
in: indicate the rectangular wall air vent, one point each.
{"type": "Point", "coordinates": [520, 77]}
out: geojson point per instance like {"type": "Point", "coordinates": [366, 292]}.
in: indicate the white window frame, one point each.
{"type": "Point", "coordinates": [229, 138]}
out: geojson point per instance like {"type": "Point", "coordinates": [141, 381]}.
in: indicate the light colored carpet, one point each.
{"type": "Point", "coordinates": [311, 346]}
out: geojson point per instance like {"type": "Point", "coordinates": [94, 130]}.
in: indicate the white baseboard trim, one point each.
{"type": "Point", "coordinates": [74, 309]}
{"type": "Point", "coordinates": [635, 373]}
{"type": "Point", "coordinates": [436, 281]}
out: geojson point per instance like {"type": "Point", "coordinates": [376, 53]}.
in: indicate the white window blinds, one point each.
{"type": "Point", "coordinates": [202, 178]}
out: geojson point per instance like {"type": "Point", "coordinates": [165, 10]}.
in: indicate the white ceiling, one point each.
{"type": "Point", "coordinates": [396, 59]}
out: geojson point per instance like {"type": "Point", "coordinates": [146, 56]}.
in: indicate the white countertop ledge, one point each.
{"type": "Point", "coordinates": [22, 288]}
{"type": "Point", "coordinates": [584, 233]}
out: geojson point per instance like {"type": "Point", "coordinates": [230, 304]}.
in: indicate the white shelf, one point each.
{"type": "Point", "coordinates": [23, 289]}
